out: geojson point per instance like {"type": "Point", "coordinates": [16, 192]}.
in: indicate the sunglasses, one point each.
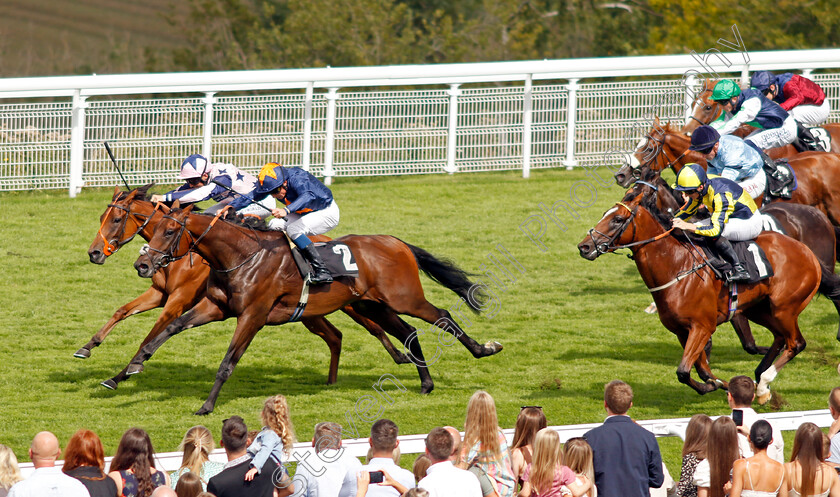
{"type": "Point", "coordinates": [723, 102]}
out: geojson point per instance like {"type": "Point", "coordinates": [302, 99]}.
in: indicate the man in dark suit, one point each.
{"type": "Point", "coordinates": [625, 455]}
{"type": "Point", "coordinates": [270, 482]}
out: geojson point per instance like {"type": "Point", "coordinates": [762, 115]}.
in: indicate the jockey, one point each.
{"type": "Point", "coordinates": [310, 210]}
{"type": "Point", "coordinates": [729, 157]}
{"type": "Point", "coordinates": [203, 181]}
{"type": "Point", "coordinates": [800, 96]}
{"type": "Point", "coordinates": [733, 213]}
{"type": "Point", "coordinates": [751, 105]}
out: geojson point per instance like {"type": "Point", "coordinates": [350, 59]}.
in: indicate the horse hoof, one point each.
{"type": "Point", "coordinates": [762, 399]}
{"type": "Point", "coordinates": [82, 353]}
{"type": "Point", "coordinates": [109, 384]}
{"type": "Point", "coordinates": [493, 347]}
{"type": "Point", "coordinates": [204, 411]}
{"type": "Point", "coordinates": [134, 369]}
{"type": "Point", "coordinates": [424, 389]}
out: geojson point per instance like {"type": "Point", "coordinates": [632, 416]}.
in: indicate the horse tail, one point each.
{"type": "Point", "coordinates": [446, 273]}
{"type": "Point", "coordinates": [830, 283]}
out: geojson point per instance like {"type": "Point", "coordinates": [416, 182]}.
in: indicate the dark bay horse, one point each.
{"type": "Point", "coordinates": [254, 278]}
{"type": "Point", "coordinates": [693, 306]}
{"type": "Point", "coordinates": [706, 110]}
{"type": "Point", "coordinates": [182, 284]}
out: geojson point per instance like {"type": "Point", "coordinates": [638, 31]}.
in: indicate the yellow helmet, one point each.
{"type": "Point", "coordinates": [690, 178]}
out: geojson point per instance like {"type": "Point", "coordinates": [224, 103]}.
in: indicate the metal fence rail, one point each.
{"type": "Point", "coordinates": [347, 122]}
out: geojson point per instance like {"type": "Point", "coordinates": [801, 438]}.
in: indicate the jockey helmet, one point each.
{"type": "Point", "coordinates": [725, 89]}
{"type": "Point", "coordinates": [193, 167]}
{"type": "Point", "coordinates": [690, 178]}
{"type": "Point", "coordinates": [272, 176]}
{"type": "Point", "coordinates": [762, 80]}
{"type": "Point", "coordinates": [703, 139]}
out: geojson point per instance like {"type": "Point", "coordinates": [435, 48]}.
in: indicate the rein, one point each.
{"type": "Point", "coordinates": [111, 246]}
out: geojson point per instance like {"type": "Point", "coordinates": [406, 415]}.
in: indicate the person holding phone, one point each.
{"type": "Point", "coordinates": [381, 477]}
{"type": "Point", "coordinates": [740, 397]}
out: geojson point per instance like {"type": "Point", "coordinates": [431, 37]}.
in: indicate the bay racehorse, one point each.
{"type": "Point", "coordinates": [182, 284]}
{"type": "Point", "coordinates": [705, 110]}
{"type": "Point", "coordinates": [693, 305]}
{"type": "Point", "coordinates": [254, 278]}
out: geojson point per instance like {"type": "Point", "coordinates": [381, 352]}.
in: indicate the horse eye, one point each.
{"type": "Point", "coordinates": [169, 232]}
{"type": "Point", "coordinates": [117, 220]}
{"type": "Point", "coordinates": [617, 220]}
{"type": "Point", "coordinates": [708, 107]}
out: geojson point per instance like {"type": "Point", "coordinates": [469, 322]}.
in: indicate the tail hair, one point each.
{"type": "Point", "coordinates": [447, 273]}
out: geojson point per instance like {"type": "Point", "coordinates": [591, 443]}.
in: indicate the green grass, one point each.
{"type": "Point", "coordinates": [568, 325]}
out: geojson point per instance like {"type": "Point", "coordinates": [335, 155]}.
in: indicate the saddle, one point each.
{"type": "Point", "coordinates": [751, 256]}
{"type": "Point", "coordinates": [337, 256]}
{"type": "Point", "coordinates": [781, 179]}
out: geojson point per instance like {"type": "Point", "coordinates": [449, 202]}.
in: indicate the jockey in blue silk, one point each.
{"type": "Point", "coordinates": [730, 157]}
{"type": "Point", "coordinates": [310, 210]}
{"type": "Point", "coordinates": [203, 181]}
{"type": "Point", "coordinates": [734, 215]}
{"type": "Point", "coordinates": [741, 107]}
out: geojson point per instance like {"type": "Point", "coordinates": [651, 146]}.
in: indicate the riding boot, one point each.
{"type": "Point", "coordinates": [808, 139]}
{"type": "Point", "coordinates": [320, 274]}
{"type": "Point", "coordinates": [739, 272]}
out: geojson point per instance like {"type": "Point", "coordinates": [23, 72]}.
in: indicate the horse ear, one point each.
{"type": "Point", "coordinates": [116, 192]}
{"type": "Point", "coordinates": [189, 208]}
{"type": "Point", "coordinates": [176, 204]}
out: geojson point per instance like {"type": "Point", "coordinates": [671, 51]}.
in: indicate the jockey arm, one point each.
{"type": "Point", "coordinates": [187, 194]}
{"type": "Point", "coordinates": [723, 205]}
{"type": "Point", "coordinates": [748, 112]}
{"type": "Point", "coordinates": [801, 91]}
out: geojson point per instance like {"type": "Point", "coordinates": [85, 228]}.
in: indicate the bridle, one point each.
{"type": "Point", "coordinates": [637, 171]}
{"type": "Point", "coordinates": [111, 246]}
{"type": "Point", "coordinates": [608, 246]}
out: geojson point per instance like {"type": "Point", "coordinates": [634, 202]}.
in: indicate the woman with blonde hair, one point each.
{"type": "Point", "coordinates": [531, 419]}
{"type": "Point", "coordinates": [577, 455]}
{"type": "Point", "coordinates": [276, 438]}
{"type": "Point", "coordinates": [546, 475]}
{"type": "Point", "coordinates": [197, 446]}
{"type": "Point", "coordinates": [807, 474]}
{"type": "Point", "coordinates": [485, 445]}
{"type": "Point", "coordinates": [712, 473]}
{"type": "Point", "coordinates": [9, 470]}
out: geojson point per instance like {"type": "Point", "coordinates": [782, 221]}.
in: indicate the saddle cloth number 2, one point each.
{"type": "Point", "coordinates": [347, 257]}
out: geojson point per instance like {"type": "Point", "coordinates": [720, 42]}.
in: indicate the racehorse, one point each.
{"type": "Point", "coordinates": [692, 302]}
{"type": "Point", "coordinates": [707, 110]}
{"type": "Point", "coordinates": [254, 278]}
{"type": "Point", "coordinates": [182, 284]}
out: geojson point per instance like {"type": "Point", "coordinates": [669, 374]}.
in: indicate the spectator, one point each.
{"type": "Point", "coordinates": [189, 485]}
{"type": "Point", "coordinates": [443, 478]}
{"type": "Point", "coordinates": [133, 466]}
{"type": "Point", "coordinates": [84, 460]}
{"type": "Point", "coordinates": [383, 440]}
{"type": "Point", "coordinates": [531, 419]}
{"type": "Point", "coordinates": [421, 464]}
{"type": "Point", "coordinates": [694, 451]}
{"type": "Point", "coordinates": [9, 470]}
{"type": "Point", "coordinates": [546, 475]}
{"type": "Point", "coordinates": [577, 455]}
{"type": "Point", "coordinates": [164, 491]}
{"type": "Point", "coordinates": [231, 481]}
{"type": "Point", "coordinates": [759, 475]}
{"type": "Point", "coordinates": [47, 480]}
{"type": "Point", "coordinates": [197, 446]}
{"type": "Point", "coordinates": [416, 492]}
{"type": "Point", "coordinates": [485, 445]}
{"type": "Point", "coordinates": [333, 472]}
{"type": "Point", "coordinates": [488, 488]}
{"type": "Point", "coordinates": [276, 437]}
{"type": "Point", "coordinates": [740, 396]}
{"type": "Point", "coordinates": [834, 409]}
{"type": "Point", "coordinates": [626, 457]}
{"type": "Point", "coordinates": [712, 473]}
{"type": "Point", "coordinates": [806, 473]}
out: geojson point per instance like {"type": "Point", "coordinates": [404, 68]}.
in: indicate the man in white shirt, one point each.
{"type": "Point", "coordinates": [383, 440]}
{"type": "Point", "coordinates": [332, 473]}
{"type": "Point", "coordinates": [443, 479]}
{"type": "Point", "coordinates": [740, 396]}
{"type": "Point", "coordinates": [47, 480]}
{"type": "Point", "coordinates": [834, 409]}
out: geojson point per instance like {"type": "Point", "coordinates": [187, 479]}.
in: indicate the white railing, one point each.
{"type": "Point", "coordinates": [355, 121]}
{"type": "Point", "coordinates": [415, 444]}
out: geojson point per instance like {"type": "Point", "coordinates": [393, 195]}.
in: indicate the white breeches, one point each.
{"type": "Point", "coordinates": [775, 137]}
{"type": "Point", "coordinates": [740, 230]}
{"type": "Point", "coordinates": [755, 186]}
{"type": "Point", "coordinates": [812, 115]}
{"type": "Point", "coordinates": [311, 223]}
{"type": "Point", "coordinates": [268, 202]}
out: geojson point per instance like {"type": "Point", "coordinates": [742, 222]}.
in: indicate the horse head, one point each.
{"type": "Point", "coordinates": [662, 147]}
{"type": "Point", "coordinates": [114, 229]}
{"type": "Point", "coordinates": [704, 109]}
{"type": "Point", "coordinates": [168, 242]}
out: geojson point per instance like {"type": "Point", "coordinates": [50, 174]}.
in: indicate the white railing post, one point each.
{"type": "Point", "coordinates": [207, 142]}
{"type": "Point", "coordinates": [527, 109]}
{"type": "Point", "coordinates": [329, 148]}
{"type": "Point", "coordinates": [690, 96]}
{"type": "Point", "coordinates": [77, 143]}
{"type": "Point", "coordinates": [452, 136]}
{"type": "Point", "coordinates": [571, 117]}
{"type": "Point", "coordinates": [745, 76]}
{"type": "Point", "coordinates": [806, 73]}
{"type": "Point", "coordinates": [306, 149]}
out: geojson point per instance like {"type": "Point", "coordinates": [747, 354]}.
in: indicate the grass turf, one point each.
{"type": "Point", "coordinates": [568, 325]}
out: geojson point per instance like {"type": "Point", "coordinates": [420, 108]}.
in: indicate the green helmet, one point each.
{"type": "Point", "coordinates": [725, 89]}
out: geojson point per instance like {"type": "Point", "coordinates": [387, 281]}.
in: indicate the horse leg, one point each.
{"type": "Point", "coordinates": [330, 334]}
{"type": "Point", "coordinates": [402, 331]}
{"type": "Point", "coordinates": [704, 370]}
{"type": "Point", "coordinates": [377, 331]}
{"type": "Point", "coordinates": [785, 328]}
{"type": "Point", "coordinates": [442, 319]}
{"type": "Point", "coordinates": [742, 328]}
{"type": "Point", "coordinates": [150, 299]}
{"type": "Point", "coordinates": [694, 342]}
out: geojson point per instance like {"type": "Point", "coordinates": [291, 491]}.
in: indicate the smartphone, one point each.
{"type": "Point", "coordinates": [377, 477]}
{"type": "Point", "coordinates": [738, 417]}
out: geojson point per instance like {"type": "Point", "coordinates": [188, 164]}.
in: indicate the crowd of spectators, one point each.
{"type": "Point", "coordinates": [737, 456]}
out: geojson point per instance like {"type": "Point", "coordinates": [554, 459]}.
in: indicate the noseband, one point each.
{"type": "Point", "coordinates": [608, 246]}
{"type": "Point", "coordinates": [114, 244]}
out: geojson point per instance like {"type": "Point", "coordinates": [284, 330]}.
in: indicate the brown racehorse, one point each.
{"type": "Point", "coordinates": [706, 110]}
{"type": "Point", "coordinates": [254, 278]}
{"type": "Point", "coordinates": [696, 302]}
{"type": "Point", "coordinates": [182, 284]}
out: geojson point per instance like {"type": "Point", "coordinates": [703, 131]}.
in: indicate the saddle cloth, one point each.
{"type": "Point", "coordinates": [781, 179]}
{"type": "Point", "coordinates": [823, 137]}
{"type": "Point", "coordinates": [751, 256]}
{"type": "Point", "coordinates": [337, 256]}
